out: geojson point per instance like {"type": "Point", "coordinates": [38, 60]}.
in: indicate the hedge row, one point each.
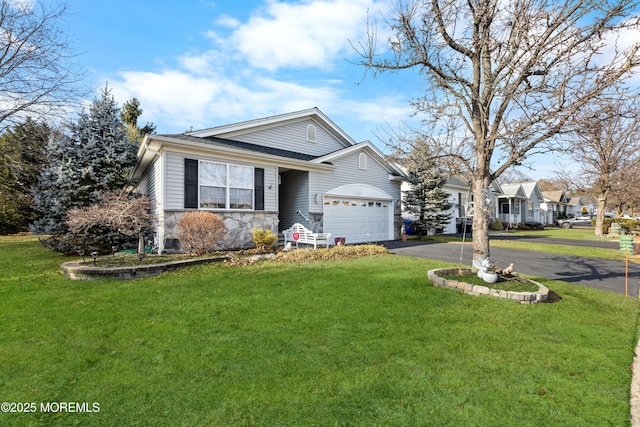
{"type": "Point", "coordinates": [629, 225]}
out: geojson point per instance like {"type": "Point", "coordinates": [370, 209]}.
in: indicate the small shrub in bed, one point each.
{"type": "Point", "coordinates": [199, 232]}
{"type": "Point", "coordinates": [264, 239]}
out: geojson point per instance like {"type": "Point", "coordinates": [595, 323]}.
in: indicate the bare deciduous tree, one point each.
{"type": "Point", "coordinates": [606, 137]}
{"type": "Point", "coordinates": [624, 195]}
{"type": "Point", "coordinates": [502, 78]}
{"type": "Point", "coordinates": [38, 75]}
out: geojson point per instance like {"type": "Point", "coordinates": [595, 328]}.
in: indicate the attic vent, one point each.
{"type": "Point", "coordinates": [311, 133]}
{"type": "Point", "coordinates": [362, 161]}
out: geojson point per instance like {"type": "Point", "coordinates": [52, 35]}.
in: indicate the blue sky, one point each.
{"type": "Point", "coordinates": [194, 64]}
{"type": "Point", "coordinates": [197, 64]}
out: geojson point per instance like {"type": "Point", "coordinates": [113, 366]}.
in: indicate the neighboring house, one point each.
{"type": "Point", "coordinates": [271, 173]}
{"type": "Point", "coordinates": [521, 203]}
{"type": "Point", "coordinates": [512, 205]}
{"type": "Point", "coordinates": [462, 204]}
{"type": "Point", "coordinates": [554, 206]}
{"type": "Point", "coordinates": [458, 191]}
{"type": "Point", "coordinates": [581, 205]}
{"type": "Point", "coordinates": [459, 197]}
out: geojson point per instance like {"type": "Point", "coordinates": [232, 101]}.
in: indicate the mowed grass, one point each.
{"type": "Point", "coordinates": [362, 342]}
{"type": "Point", "coordinates": [583, 233]}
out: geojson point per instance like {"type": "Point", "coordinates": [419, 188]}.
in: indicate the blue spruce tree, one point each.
{"type": "Point", "coordinates": [427, 200]}
{"type": "Point", "coordinates": [93, 157]}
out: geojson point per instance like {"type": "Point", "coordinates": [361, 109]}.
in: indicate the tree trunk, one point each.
{"type": "Point", "coordinates": [481, 214]}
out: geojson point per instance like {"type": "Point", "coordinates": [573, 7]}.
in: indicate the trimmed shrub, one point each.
{"type": "Point", "coordinates": [199, 231]}
{"type": "Point", "coordinates": [629, 225]}
{"type": "Point", "coordinates": [263, 238]}
{"type": "Point", "coordinates": [497, 225]}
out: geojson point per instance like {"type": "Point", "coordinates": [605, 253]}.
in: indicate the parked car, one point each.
{"type": "Point", "coordinates": [579, 221]}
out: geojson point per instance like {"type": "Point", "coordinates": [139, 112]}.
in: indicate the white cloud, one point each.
{"type": "Point", "coordinates": [310, 34]}
{"type": "Point", "coordinates": [249, 72]}
{"type": "Point", "coordinates": [228, 21]}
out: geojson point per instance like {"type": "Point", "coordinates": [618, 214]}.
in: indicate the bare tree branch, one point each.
{"type": "Point", "coordinates": [504, 79]}
{"type": "Point", "coordinates": [38, 76]}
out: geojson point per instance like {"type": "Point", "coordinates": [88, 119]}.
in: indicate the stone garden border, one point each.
{"type": "Point", "coordinates": [522, 297]}
{"type": "Point", "coordinates": [77, 270]}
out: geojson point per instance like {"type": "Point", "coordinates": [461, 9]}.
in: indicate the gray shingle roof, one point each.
{"type": "Point", "coordinates": [214, 141]}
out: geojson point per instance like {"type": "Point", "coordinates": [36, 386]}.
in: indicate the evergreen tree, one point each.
{"type": "Point", "coordinates": [22, 158]}
{"type": "Point", "coordinates": [428, 200]}
{"type": "Point", "coordinates": [94, 157]}
{"type": "Point", "coordinates": [129, 115]}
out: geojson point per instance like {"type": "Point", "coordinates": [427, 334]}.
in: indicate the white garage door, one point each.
{"type": "Point", "coordinates": [358, 220]}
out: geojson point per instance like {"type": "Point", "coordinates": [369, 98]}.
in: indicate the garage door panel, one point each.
{"type": "Point", "coordinates": [358, 220]}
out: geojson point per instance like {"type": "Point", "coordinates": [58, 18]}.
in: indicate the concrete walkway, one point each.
{"type": "Point", "coordinates": [591, 272]}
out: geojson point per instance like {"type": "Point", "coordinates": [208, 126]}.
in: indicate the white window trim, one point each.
{"type": "Point", "coordinates": [228, 188]}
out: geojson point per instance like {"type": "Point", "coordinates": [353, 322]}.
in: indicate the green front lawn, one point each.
{"type": "Point", "coordinates": [553, 233]}
{"type": "Point", "coordinates": [364, 342]}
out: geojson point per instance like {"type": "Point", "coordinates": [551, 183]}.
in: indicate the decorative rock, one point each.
{"type": "Point", "coordinates": [465, 287]}
{"type": "Point", "coordinates": [451, 283]}
{"type": "Point", "coordinates": [481, 290]}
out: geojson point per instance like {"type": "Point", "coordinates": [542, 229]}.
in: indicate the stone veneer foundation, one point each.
{"type": "Point", "coordinates": [239, 225]}
{"type": "Point", "coordinates": [467, 288]}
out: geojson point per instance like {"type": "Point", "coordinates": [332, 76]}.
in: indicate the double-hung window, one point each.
{"type": "Point", "coordinates": [240, 187]}
{"type": "Point", "coordinates": [225, 186]}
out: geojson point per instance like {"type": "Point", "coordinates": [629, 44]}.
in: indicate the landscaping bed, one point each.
{"type": "Point", "coordinates": [523, 290]}
{"type": "Point", "coordinates": [129, 266]}
{"type": "Point", "coordinates": [79, 270]}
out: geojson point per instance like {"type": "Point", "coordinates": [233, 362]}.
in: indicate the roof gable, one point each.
{"type": "Point", "coordinates": [532, 190]}
{"type": "Point", "coordinates": [367, 147]}
{"type": "Point", "coordinates": [555, 196]}
{"type": "Point", "coordinates": [287, 131]}
{"type": "Point", "coordinates": [513, 190]}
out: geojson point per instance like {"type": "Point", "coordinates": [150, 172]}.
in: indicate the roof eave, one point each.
{"type": "Point", "coordinates": [162, 142]}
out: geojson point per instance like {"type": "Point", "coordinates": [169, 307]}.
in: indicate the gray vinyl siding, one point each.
{"type": "Point", "coordinates": [294, 188]}
{"type": "Point", "coordinates": [292, 137]}
{"type": "Point", "coordinates": [175, 180]}
{"type": "Point", "coordinates": [151, 185]}
{"type": "Point", "coordinates": [347, 172]}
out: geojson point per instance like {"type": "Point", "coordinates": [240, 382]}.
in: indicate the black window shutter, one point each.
{"type": "Point", "coordinates": [190, 183]}
{"type": "Point", "coordinates": [259, 189]}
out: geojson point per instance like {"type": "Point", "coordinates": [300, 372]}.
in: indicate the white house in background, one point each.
{"type": "Point", "coordinates": [581, 205]}
{"type": "Point", "coordinates": [271, 173]}
{"type": "Point", "coordinates": [520, 203]}
{"type": "Point", "coordinates": [511, 205]}
{"type": "Point", "coordinates": [555, 204]}
{"type": "Point", "coordinates": [462, 204]}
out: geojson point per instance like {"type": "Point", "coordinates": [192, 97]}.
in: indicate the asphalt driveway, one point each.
{"type": "Point", "coordinates": [592, 272]}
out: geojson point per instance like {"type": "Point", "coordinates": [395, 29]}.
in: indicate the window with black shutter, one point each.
{"type": "Point", "coordinates": [190, 183]}
{"type": "Point", "coordinates": [259, 189]}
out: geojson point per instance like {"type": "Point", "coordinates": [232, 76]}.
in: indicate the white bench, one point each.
{"type": "Point", "coordinates": [298, 233]}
